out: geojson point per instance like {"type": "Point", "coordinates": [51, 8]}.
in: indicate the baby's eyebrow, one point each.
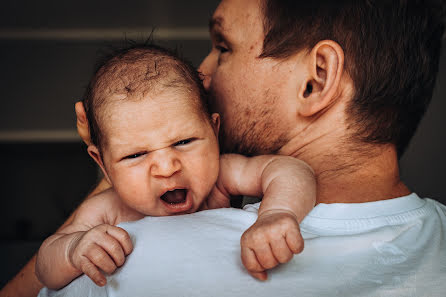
{"type": "Point", "coordinates": [126, 148]}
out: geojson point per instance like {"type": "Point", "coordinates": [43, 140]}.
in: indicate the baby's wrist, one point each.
{"type": "Point", "coordinates": [276, 211]}
{"type": "Point", "coordinates": [71, 249]}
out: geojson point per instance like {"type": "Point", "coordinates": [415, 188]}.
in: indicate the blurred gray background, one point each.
{"type": "Point", "coordinates": [47, 53]}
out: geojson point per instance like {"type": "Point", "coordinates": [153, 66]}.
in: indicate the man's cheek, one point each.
{"type": "Point", "coordinates": [216, 100]}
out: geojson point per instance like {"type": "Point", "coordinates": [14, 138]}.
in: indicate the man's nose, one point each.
{"type": "Point", "coordinates": [165, 164]}
{"type": "Point", "coordinates": [205, 71]}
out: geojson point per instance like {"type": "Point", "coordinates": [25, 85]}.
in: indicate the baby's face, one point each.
{"type": "Point", "coordinates": [161, 154]}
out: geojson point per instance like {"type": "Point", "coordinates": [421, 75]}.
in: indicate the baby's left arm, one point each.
{"type": "Point", "coordinates": [288, 187]}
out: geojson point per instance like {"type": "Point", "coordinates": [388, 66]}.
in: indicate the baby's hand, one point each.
{"type": "Point", "coordinates": [102, 247]}
{"type": "Point", "coordinates": [273, 239]}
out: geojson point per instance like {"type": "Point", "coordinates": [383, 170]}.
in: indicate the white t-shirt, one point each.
{"type": "Point", "coordinates": [395, 247]}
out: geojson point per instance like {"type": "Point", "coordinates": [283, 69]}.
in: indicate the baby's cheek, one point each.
{"type": "Point", "coordinates": [135, 197]}
{"type": "Point", "coordinates": [144, 207]}
{"type": "Point", "coordinates": [207, 181]}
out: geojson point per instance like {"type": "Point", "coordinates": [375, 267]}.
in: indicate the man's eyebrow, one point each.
{"type": "Point", "coordinates": [216, 29]}
{"type": "Point", "coordinates": [214, 23]}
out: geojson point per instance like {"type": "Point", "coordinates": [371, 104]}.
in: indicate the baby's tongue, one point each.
{"type": "Point", "coordinates": [175, 196]}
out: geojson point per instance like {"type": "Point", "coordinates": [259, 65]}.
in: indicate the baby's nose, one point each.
{"type": "Point", "coordinates": [165, 165]}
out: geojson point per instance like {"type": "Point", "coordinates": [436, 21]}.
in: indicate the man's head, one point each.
{"type": "Point", "coordinates": [385, 51]}
{"type": "Point", "coordinates": [151, 132]}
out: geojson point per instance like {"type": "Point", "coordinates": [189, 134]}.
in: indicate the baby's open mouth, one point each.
{"type": "Point", "coordinates": [176, 196]}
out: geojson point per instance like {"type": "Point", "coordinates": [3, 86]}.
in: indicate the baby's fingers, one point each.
{"type": "Point", "coordinates": [116, 242]}
{"type": "Point", "coordinates": [265, 256]}
{"type": "Point", "coordinates": [99, 257]}
{"type": "Point", "coordinates": [251, 264]}
{"type": "Point", "coordinates": [281, 250]}
{"type": "Point", "coordinates": [295, 241]}
{"type": "Point", "coordinates": [92, 272]}
{"type": "Point", "coordinates": [263, 276]}
{"type": "Point", "coordinates": [122, 237]}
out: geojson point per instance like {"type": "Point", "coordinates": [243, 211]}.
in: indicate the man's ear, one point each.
{"type": "Point", "coordinates": [325, 65]}
{"type": "Point", "coordinates": [82, 123]}
{"type": "Point", "coordinates": [94, 152]}
{"type": "Point", "coordinates": [215, 117]}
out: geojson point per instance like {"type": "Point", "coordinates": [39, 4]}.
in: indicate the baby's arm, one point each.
{"type": "Point", "coordinates": [288, 187]}
{"type": "Point", "coordinates": [89, 243]}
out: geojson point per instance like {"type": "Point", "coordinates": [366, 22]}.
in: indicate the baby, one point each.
{"type": "Point", "coordinates": [156, 143]}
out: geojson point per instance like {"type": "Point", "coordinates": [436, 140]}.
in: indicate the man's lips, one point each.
{"type": "Point", "coordinates": [175, 196]}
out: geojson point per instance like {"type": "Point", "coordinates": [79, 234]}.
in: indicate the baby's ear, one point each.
{"type": "Point", "coordinates": [82, 123]}
{"type": "Point", "coordinates": [215, 117]}
{"type": "Point", "coordinates": [94, 152]}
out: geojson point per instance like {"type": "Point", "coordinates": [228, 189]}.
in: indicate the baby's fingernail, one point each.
{"type": "Point", "coordinates": [261, 276]}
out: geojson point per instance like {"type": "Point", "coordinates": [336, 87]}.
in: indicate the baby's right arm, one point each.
{"type": "Point", "coordinates": [90, 243]}
{"type": "Point", "coordinates": [288, 187]}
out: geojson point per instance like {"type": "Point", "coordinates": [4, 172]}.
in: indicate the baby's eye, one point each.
{"type": "Point", "coordinates": [184, 141]}
{"type": "Point", "coordinates": [134, 156]}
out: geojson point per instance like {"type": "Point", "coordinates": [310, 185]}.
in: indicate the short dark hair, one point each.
{"type": "Point", "coordinates": [133, 71]}
{"type": "Point", "coordinates": [391, 48]}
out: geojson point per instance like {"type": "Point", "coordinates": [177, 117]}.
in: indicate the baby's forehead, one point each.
{"type": "Point", "coordinates": [167, 103]}
{"type": "Point", "coordinates": [161, 95]}
{"type": "Point", "coordinates": [166, 118]}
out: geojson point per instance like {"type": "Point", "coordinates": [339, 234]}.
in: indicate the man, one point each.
{"type": "Point", "coordinates": [341, 85]}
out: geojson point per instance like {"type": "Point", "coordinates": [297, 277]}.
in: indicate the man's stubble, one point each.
{"type": "Point", "coordinates": [251, 129]}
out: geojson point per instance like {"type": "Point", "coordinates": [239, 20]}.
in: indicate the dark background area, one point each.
{"type": "Point", "coordinates": [47, 53]}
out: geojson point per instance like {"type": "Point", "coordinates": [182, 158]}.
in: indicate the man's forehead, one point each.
{"type": "Point", "coordinates": [237, 20]}
{"type": "Point", "coordinates": [230, 10]}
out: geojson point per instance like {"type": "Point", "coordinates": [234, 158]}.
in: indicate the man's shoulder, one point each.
{"type": "Point", "coordinates": [82, 286]}
{"type": "Point", "coordinates": [215, 220]}
{"type": "Point", "coordinates": [371, 215]}
{"type": "Point", "coordinates": [439, 206]}
{"type": "Point", "coordinates": [199, 255]}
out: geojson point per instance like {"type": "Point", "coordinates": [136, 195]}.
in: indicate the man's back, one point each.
{"type": "Point", "coordinates": [387, 248]}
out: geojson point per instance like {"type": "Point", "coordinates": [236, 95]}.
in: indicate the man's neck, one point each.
{"type": "Point", "coordinates": [346, 174]}
{"type": "Point", "coordinates": [347, 171]}
{"type": "Point", "coordinates": [358, 179]}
